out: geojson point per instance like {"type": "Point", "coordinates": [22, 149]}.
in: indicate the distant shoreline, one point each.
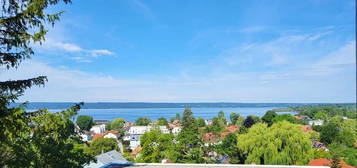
{"type": "Point", "coordinates": [124, 105]}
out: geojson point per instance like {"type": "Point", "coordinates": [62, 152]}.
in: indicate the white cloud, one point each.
{"type": "Point", "coordinates": [51, 44]}
{"type": "Point", "coordinates": [72, 85]}
{"type": "Point", "coordinates": [85, 55]}
{"type": "Point", "coordinates": [97, 53]}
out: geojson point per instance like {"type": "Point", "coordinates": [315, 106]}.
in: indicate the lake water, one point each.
{"type": "Point", "coordinates": [131, 114]}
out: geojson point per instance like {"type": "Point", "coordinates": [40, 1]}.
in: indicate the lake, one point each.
{"type": "Point", "coordinates": [131, 114]}
{"type": "Point", "coordinates": [130, 111]}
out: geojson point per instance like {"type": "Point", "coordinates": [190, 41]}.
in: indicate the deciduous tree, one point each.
{"type": "Point", "coordinates": [281, 144]}
{"type": "Point", "coordinates": [85, 122]}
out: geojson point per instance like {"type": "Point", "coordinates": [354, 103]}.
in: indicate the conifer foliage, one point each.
{"type": "Point", "coordinates": [41, 138]}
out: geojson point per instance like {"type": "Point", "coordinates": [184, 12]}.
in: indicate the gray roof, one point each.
{"type": "Point", "coordinates": [108, 159]}
{"type": "Point", "coordinates": [111, 157]}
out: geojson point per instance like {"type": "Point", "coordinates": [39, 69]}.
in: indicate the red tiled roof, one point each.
{"type": "Point", "coordinates": [210, 137]}
{"type": "Point", "coordinates": [327, 162]}
{"type": "Point", "coordinates": [223, 134]}
{"type": "Point", "coordinates": [306, 128]}
{"type": "Point", "coordinates": [232, 128]}
{"type": "Point", "coordinates": [96, 136]}
{"type": "Point", "coordinates": [136, 151]}
{"type": "Point", "coordinates": [115, 132]}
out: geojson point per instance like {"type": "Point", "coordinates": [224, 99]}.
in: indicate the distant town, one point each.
{"type": "Point", "coordinates": [217, 137]}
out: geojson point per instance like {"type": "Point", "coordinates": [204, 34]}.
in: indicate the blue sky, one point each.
{"type": "Point", "coordinates": [197, 51]}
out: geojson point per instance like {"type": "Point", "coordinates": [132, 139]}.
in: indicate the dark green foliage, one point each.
{"type": "Point", "coordinates": [221, 115]}
{"type": "Point", "coordinates": [200, 122]}
{"type": "Point", "coordinates": [269, 116]}
{"type": "Point", "coordinates": [218, 123]}
{"type": "Point", "coordinates": [229, 148]}
{"type": "Point", "coordinates": [156, 147]}
{"type": "Point", "coordinates": [84, 122]}
{"type": "Point", "coordinates": [285, 117]}
{"type": "Point", "coordinates": [144, 121]}
{"type": "Point", "coordinates": [234, 118]}
{"type": "Point", "coordinates": [162, 121]}
{"type": "Point", "coordinates": [249, 121]}
{"type": "Point", "coordinates": [349, 154]}
{"type": "Point", "coordinates": [41, 140]}
{"type": "Point", "coordinates": [347, 110]}
{"type": "Point", "coordinates": [190, 143]}
{"type": "Point", "coordinates": [102, 145]}
{"type": "Point", "coordinates": [23, 22]}
{"type": "Point", "coordinates": [329, 132]}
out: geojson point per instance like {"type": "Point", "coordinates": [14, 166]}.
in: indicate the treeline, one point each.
{"type": "Point", "coordinates": [331, 110]}
{"type": "Point", "coordinates": [271, 139]}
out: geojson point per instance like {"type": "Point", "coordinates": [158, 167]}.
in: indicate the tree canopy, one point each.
{"type": "Point", "coordinates": [85, 122]}
{"type": "Point", "coordinates": [43, 140]}
{"type": "Point", "coordinates": [117, 124]}
{"type": "Point", "coordinates": [269, 116]}
{"type": "Point", "coordinates": [282, 143]}
{"type": "Point", "coordinates": [100, 145]}
{"type": "Point", "coordinates": [156, 147]}
{"type": "Point", "coordinates": [40, 138]}
{"type": "Point", "coordinates": [143, 121]}
{"type": "Point", "coordinates": [162, 121]}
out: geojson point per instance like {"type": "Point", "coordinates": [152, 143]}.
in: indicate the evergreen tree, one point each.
{"type": "Point", "coordinates": [40, 138]}
{"type": "Point", "coordinates": [190, 143]}
{"type": "Point", "coordinates": [269, 116]}
{"type": "Point", "coordinates": [248, 122]}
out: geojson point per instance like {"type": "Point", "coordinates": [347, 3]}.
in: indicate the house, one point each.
{"type": "Point", "coordinates": [208, 122]}
{"type": "Point", "coordinates": [327, 162]}
{"type": "Point", "coordinates": [306, 128]}
{"type": "Point", "coordinates": [126, 137]}
{"type": "Point", "coordinates": [176, 130]}
{"type": "Point", "coordinates": [316, 122]}
{"type": "Point", "coordinates": [138, 130]}
{"type": "Point", "coordinates": [229, 130]}
{"type": "Point", "coordinates": [96, 136]}
{"type": "Point", "coordinates": [97, 129]}
{"type": "Point", "coordinates": [85, 136]}
{"type": "Point", "coordinates": [302, 117]}
{"type": "Point", "coordinates": [164, 129]}
{"type": "Point", "coordinates": [108, 160]}
{"type": "Point", "coordinates": [210, 138]}
{"type": "Point", "coordinates": [112, 134]}
{"type": "Point", "coordinates": [232, 128]}
{"type": "Point", "coordinates": [136, 151]}
{"type": "Point", "coordinates": [134, 141]}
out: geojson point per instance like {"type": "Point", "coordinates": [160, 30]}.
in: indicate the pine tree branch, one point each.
{"type": "Point", "coordinates": [19, 86]}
